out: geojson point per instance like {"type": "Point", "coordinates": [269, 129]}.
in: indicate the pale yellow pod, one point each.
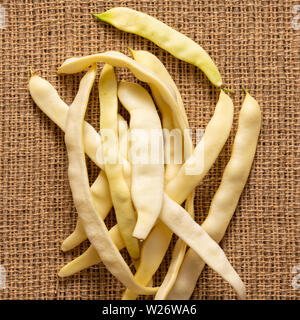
{"type": "Point", "coordinates": [206, 151]}
{"type": "Point", "coordinates": [177, 259]}
{"type": "Point", "coordinates": [102, 202]}
{"type": "Point", "coordinates": [147, 178]}
{"type": "Point", "coordinates": [78, 178]}
{"type": "Point", "coordinates": [227, 196]}
{"type": "Point", "coordinates": [118, 59]}
{"type": "Point", "coordinates": [120, 193]}
{"type": "Point", "coordinates": [174, 156]}
{"type": "Point", "coordinates": [90, 257]}
{"type": "Point", "coordinates": [181, 223]}
{"type": "Point", "coordinates": [167, 38]}
{"type": "Point", "coordinates": [216, 134]}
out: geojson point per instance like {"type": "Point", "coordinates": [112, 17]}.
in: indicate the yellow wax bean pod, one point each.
{"type": "Point", "coordinates": [215, 136]}
{"type": "Point", "coordinates": [118, 59]}
{"type": "Point", "coordinates": [155, 249]}
{"type": "Point", "coordinates": [94, 226]}
{"type": "Point", "coordinates": [90, 257]}
{"type": "Point", "coordinates": [181, 223]}
{"type": "Point", "coordinates": [147, 178]}
{"type": "Point", "coordinates": [174, 150]}
{"type": "Point", "coordinates": [176, 261]}
{"type": "Point", "coordinates": [167, 38]}
{"type": "Point", "coordinates": [47, 99]}
{"type": "Point", "coordinates": [169, 119]}
{"type": "Point", "coordinates": [227, 196]}
{"type": "Point", "coordinates": [120, 193]}
{"type": "Point", "coordinates": [102, 202]}
{"type": "Point", "coordinates": [195, 168]}
{"type": "Point", "coordinates": [150, 61]}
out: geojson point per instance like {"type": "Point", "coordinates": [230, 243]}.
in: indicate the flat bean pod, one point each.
{"type": "Point", "coordinates": [167, 38]}
{"type": "Point", "coordinates": [90, 257]}
{"type": "Point", "coordinates": [147, 179]}
{"type": "Point", "coordinates": [215, 136]}
{"type": "Point", "coordinates": [120, 193]}
{"type": "Point", "coordinates": [181, 223]}
{"type": "Point", "coordinates": [176, 261]}
{"type": "Point", "coordinates": [227, 196]}
{"type": "Point", "coordinates": [173, 154]}
{"type": "Point", "coordinates": [78, 178]}
{"type": "Point", "coordinates": [151, 62]}
{"type": "Point", "coordinates": [117, 59]}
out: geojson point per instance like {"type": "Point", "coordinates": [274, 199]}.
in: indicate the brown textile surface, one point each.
{"type": "Point", "coordinates": [254, 45]}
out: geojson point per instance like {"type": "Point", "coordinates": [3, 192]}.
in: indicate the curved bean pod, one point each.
{"type": "Point", "coordinates": [120, 193]}
{"type": "Point", "coordinates": [78, 178]}
{"type": "Point", "coordinates": [117, 59]}
{"type": "Point", "coordinates": [215, 136]}
{"type": "Point", "coordinates": [90, 257]}
{"type": "Point", "coordinates": [147, 179]}
{"type": "Point", "coordinates": [173, 154]}
{"type": "Point", "coordinates": [174, 42]}
{"type": "Point", "coordinates": [227, 196]}
{"type": "Point", "coordinates": [176, 261]}
{"type": "Point", "coordinates": [151, 62]}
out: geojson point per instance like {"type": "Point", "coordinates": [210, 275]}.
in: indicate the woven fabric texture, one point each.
{"type": "Point", "coordinates": [253, 43]}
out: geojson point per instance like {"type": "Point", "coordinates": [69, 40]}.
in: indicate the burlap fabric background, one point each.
{"type": "Point", "coordinates": [252, 42]}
